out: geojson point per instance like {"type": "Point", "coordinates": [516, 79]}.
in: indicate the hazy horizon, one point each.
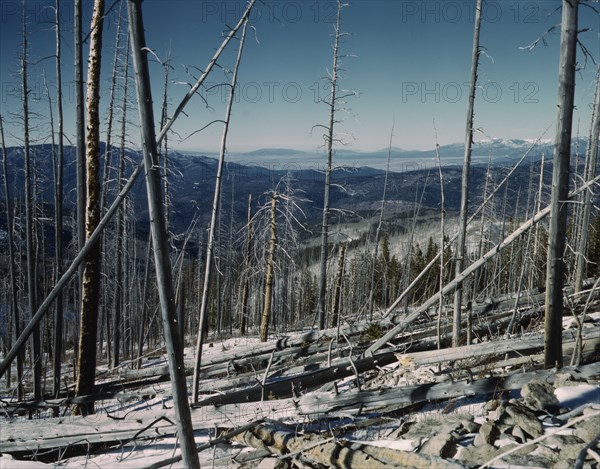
{"type": "Point", "coordinates": [408, 60]}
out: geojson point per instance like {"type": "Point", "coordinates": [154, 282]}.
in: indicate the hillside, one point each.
{"type": "Point", "coordinates": [357, 190]}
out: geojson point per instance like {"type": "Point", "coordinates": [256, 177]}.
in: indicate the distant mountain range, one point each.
{"type": "Point", "coordinates": [358, 178]}
{"type": "Point", "coordinates": [498, 151]}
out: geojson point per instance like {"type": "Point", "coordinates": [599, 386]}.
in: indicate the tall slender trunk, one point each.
{"type": "Point", "coordinates": [246, 273]}
{"type": "Point", "coordinates": [321, 304]}
{"type": "Point", "coordinates": [464, 199]}
{"type": "Point", "coordinates": [14, 306]}
{"type": "Point", "coordinates": [121, 222]}
{"type": "Point", "coordinates": [158, 228]}
{"type": "Point", "coordinates": [91, 281]}
{"type": "Point", "coordinates": [269, 274]}
{"type": "Point", "coordinates": [58, 210]}
{"type": "Point", "coordinates": [144, 305]}
{"type": "Point", "coordinates": [560, 186]}
{"type": "Point", "coordinates": [534, 276]}
{"type": "Point", "coordinates": [591, 157]}
{"type": "Point", "coordinates": [213, 220]}
{"type": "Point", "coordinates": [378, 230]}
{"type": "Point", "coordinates": [442, 241]}
{"type": "Point", "coordinates": [29, 222]}
{"type": "Point", "coordinates": [165, 147]}
{"type": "Point", "coordinates": [79, 132]}
{"type": "Point", "coordinates": [105, 315]}
{"type": "Point", "coordinates": [53, 157]}
{"type": "Point", "coordinates": [337, 291]}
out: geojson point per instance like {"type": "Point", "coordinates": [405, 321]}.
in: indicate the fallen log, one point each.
{"type": "Point", "coordinates": [289, 386]}
{"type": "Point", "coordinates": [281, 387]}
{"type": "Point", "coordinates": [342, 454]}
{"type": "Point", "coordinates": [72, 432]}
{"type": "Point", "coordinates": [322, 405]}
{"type": "Point", "coordinates": [250, 356]}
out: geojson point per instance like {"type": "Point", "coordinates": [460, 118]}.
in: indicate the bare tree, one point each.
{"type": "Point", "coordinates": [270, 272]}
{"type": "Point", "coordinates": [213, 220]}
{"type": "Point", "coordinates": [108, 152]}
{"type": "Point", "coordinates": [58, 210]}
{"type": "Point", "coordinates": [379, 225]}
{"type": "Point", "coordinates": [560, 186]}
{"type": "Point", "coordinates": [442, 238]}
{"type": "Point", "coordinates": [91, 281]}
{"type": "Point", "coordinates": [246, 272]}
{"type": "Point", "coordinates": [329, 136]}
{"type": "Point", "coordinates": [590, 172]}
{"type": "Point", "coordinates": [29, 219]}
{"type": "Point", "coordinates": [79, 131]}
{"type": "Point", "coordinates": [337, 292]}
{"type": "Point", "coordinates": [464, 199]}
{"type": "Point", "coordinates": [158, 228]}
{"type": "Point", "coordinates": [14, 306]}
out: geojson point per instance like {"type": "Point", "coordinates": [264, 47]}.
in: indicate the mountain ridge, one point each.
{"type": "Point", "coordinates": [357, 178]}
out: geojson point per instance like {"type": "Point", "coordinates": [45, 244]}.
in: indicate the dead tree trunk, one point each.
{"type": "Point", "coordinates": [120, 296]}
{"type": "Point", "coordinates": [464, 199]}
{"type": "Point", "coordinates": [58, 210]}
{"type": "Point", "coordinates": [158, 228]}
{"type": "Point", "coordinates": [329, 136]}
{"type": "Point", "coordinates": [90, 291]}
{"type": "Point", "coordinates": [79, 132]}
{"type": "Point", "coordinates": [378, 230]}
{"type": "Point", "coordinates": [144, 305]}
{"type": "Point", "coordinates": [246, 274]}
{"type": "Point", "coordinates": [560, 186]}
{"type": "Point", "coordinates": [591, 157]}
{"type": "Point", "coordinates": [337, 291]}
{"type": "Point", "coordinates": [213, 221]}
{"type": "Point", "coordinates": [269, 275]}
{"type": "Point", "coordinates": [442, 241]}
{"type": "Point", "coordinates": [108, 155]}
{"type": "Point", "coordinates": [31, 270]}
{"type": "Point", "coordinates": [14, 306]}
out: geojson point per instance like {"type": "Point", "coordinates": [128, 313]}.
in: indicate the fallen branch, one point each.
{"type": "Point", "coordinates": [226, 437]}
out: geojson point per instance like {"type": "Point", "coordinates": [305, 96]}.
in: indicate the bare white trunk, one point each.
{"type": "Point", "coordinates": [464, 200]}
{"type": "Point", "coordinates": [560, 186]}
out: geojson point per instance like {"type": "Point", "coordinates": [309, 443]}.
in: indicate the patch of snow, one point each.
{"type": "Point", "coordinates": [400, 445]}
{"type": "Point", "coordinates": [575, 396]}
{"type": "Point", "coordinates": [8, 462]}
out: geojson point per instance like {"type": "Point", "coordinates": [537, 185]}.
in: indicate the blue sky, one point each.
{"type": "Point", "coordinates": [409, 62]}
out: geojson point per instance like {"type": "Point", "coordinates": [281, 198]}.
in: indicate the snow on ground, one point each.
{"type": "Point", "coordinates": [153, 449]}
{"type": "Point", "coordinates": [146, 452]}
{"type": "Point", "coordinates": [575, 396]}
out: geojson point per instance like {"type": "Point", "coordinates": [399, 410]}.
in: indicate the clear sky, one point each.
{"type": "Point", "coordinates": [408, 60]}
